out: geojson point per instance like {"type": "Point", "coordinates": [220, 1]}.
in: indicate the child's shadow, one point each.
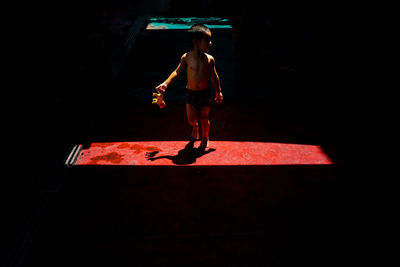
{"type": "Point", "coordinates": [188, 155]}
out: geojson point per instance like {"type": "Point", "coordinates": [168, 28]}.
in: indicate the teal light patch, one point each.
{"type": "Point", "coordinates": [185, 23]}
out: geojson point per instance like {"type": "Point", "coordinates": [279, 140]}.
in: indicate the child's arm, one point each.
{"type": "Point", "coordinates": [174, 75]}
{"type": "Point", "coordinates": [215, 81]}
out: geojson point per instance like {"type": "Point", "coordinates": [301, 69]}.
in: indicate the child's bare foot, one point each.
{"type": "Point", "coordinates": [195, 131]}
{"type": "Point", "coordinates": [204, 144]}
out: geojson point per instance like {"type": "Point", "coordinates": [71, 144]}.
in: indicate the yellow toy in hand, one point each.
{"type": "Point", "coordinates": [158, 99]}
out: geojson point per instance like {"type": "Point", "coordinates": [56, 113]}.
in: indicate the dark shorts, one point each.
{"type": "Point", "coordinates": [198, 99]}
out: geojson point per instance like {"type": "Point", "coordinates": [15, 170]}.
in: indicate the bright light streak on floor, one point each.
{"type": "Point", "coordinates": [220, 153]}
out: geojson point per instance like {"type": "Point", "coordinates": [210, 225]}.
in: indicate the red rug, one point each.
{"type": "Point", "coordinates": [162, 153]}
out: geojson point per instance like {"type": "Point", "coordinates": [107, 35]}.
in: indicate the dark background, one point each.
{"type": "Point", "coordinates": [62, 85]}
{"type": "Point", "coordinates": [66, 56]}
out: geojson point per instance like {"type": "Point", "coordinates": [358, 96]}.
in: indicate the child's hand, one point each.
{"type": "Point", "coordinates": [219, 98]}
{"type": "Point", "coordinates": [161, 88]}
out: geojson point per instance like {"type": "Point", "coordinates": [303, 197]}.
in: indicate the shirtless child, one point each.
{"type": "Point", "coordinates": [200, 66]}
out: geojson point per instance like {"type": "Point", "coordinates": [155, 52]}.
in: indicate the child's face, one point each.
{"type": "Point", "coordinates": [205, 43]}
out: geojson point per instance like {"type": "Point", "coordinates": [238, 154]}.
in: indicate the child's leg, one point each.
{"type": "Point", "coordinates": [205, 124]}
{"type": "Point", "coordinates": [192, 115]}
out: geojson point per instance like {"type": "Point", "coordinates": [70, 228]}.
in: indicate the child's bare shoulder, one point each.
{"type": "Point", "coordinates": [185, 55]}
{"type": "Point", "coordinates": [210, 57]}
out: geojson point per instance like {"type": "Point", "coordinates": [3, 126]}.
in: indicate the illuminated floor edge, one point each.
{"type": "Point", "coordinates": [219, 153]}
{"type": "Point", "coordinates": [169, 23]}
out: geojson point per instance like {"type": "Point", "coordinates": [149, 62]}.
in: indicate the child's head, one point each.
{"type": "Point", "coordinates": [201, 37]}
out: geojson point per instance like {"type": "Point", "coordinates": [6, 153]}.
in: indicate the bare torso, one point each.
{"type": "Point", "coordinates": [198, 71]}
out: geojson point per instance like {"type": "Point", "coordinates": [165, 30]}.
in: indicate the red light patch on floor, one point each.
{"type": "Point", "coordinates": [164, 153]}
